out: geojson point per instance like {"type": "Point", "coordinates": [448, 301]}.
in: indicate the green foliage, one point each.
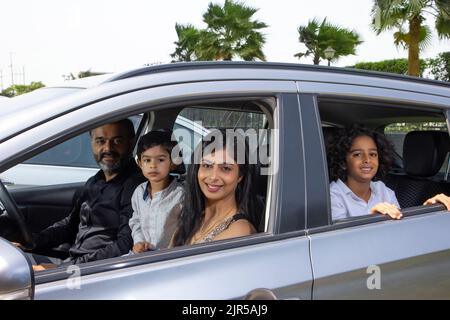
{"type": "Point", "coordinates": [231, 32]}
{"type": "Point", "coordinates": [318, 36]}
{"type": "Point", "coordinates": [418, 126]}
{"type": "Point", "coordinates": [88, 73]}
{"type": "Point", "coordinates": [188, 39]}
{"type": "Point", "coordinates": [18, 89]}
{"type": "Point", "coordinates": [408, 18]}
{"type": "Point", "coordinates": [82, 74]}
{"type": "Point", "coordinates": [399, 66]}
{"type": "Point", "coordinates": [440, 66]}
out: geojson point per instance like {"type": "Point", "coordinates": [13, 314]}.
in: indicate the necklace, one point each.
{"type": "Point", "coordinates": [201, 233]}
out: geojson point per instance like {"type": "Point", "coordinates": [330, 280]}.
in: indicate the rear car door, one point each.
{"type": "Point", "coordinates": [372, 257]}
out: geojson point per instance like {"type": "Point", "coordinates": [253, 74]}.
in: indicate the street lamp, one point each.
{"type": "Point", "coordinates": [329, 54]}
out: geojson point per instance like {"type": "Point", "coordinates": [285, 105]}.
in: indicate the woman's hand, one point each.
{"type": "Point", "coordinates": [442, 198]}
{"type": "Point", "coordinates": [387, 208]}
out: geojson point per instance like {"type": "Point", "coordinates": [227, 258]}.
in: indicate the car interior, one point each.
{"type": "Point", "coordinates": [41, 206]}
{"type": "Point", "coordinates": [419, 135]}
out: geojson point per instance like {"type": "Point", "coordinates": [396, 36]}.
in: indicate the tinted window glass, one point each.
{"type": "Point", "coordinates": [75, 152]}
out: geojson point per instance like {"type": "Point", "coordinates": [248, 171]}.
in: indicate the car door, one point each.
{"type": "Point", "coordinates": [372, 257]}
{"type": "Point", "coordinates": [277, 259]}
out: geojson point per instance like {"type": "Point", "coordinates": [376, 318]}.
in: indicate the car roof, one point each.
{"type": "Point", "coordinates": [85, 83]}
{"type": "Point", "coordinates": [270, 65]}
{"type": "Point", "coordinates": [110, 85]}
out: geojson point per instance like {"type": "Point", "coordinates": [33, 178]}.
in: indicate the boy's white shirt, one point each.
{"type": "Point", "coordinates": [155, 219]}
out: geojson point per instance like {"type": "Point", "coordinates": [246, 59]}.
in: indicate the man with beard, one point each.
{"type": "Point", "coordinates": [97, 226]}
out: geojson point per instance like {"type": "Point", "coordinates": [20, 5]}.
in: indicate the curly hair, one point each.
{"type": "Point", "coordinates": [341, 143]}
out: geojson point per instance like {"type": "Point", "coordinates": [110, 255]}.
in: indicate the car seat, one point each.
{"type": "Point", "coordinates": [423, 155]}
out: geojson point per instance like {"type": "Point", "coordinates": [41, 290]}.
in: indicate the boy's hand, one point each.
{"type": "Point", "coordinates": [387, 208]}
{"type": "Point", "coordinates": [142, 247]}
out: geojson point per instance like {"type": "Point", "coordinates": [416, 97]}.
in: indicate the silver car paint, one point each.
{"type": "Point", "coordinates": [412, 254]}
{"type": "Point", "coordinates": [15, 273]}
{"type": "Point", "coordinates": [220, 275]}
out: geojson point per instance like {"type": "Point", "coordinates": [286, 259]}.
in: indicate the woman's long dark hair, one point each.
{"type": "Point", "coordinates": [194, 200]}
{"type": "Point", "coordinates": [341, 144]}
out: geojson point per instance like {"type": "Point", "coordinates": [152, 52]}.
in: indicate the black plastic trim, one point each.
{"type": "Point", "coordinates": [291, 187]}
{"type": "Point", "coordinates": [317, 194]}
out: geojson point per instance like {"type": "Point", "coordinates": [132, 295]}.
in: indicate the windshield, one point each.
{"type": "Point", "coordinates": [35, 97]}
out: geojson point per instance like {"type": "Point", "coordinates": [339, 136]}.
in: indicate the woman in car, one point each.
{"type": "Point", "coordinates": [358, 159]}
{"type": "Point", "coordinates": [220, 201]}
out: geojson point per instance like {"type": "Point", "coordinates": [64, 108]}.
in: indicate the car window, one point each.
{"type": "Point", "coordinates": [72, 153]}
{"type": "Point", "coordinates": [416, 170]}
{"type": "Point", "coordinates": [199, 122]}
{"type": "Point", "coordinates": [68, 162]}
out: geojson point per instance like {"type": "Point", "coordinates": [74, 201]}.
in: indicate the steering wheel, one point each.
{"type": "Point", "coordinates": [14, 213]}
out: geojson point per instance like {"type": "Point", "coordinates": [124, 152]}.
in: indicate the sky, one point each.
{"type": "Point", "coordinates": [47, 39]}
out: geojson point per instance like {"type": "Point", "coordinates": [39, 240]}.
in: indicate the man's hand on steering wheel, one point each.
{"type": "Point", "coordinates": [14, 213]}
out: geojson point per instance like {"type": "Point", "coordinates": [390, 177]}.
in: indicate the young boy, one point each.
{"type": "Point", "coordinates": [157, 202]}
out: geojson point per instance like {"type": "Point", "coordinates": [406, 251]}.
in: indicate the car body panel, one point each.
{"type": "Point", "coordinates": [219, 275]}
{"type": "Point", "coordinates": [412, 256]}
{"type": "Point", "coordinates": [16, 280]}
{"type": "Point", "coordinates": [400, 95]}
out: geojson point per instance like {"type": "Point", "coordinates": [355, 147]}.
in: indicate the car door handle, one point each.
{"type": "Point", "coordinates": [261, 294]}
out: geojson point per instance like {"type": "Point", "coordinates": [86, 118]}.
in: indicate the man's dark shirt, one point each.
{"type": "Point", "coordinates": [97, 226]}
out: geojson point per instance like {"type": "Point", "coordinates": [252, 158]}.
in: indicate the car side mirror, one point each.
{"type": "Point", "coordinates": [16, 273]}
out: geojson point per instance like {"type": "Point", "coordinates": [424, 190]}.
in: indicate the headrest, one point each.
{"type": "Point", "coordinates": [328, 134]}
{"type": "Point", "coordinates": [179, 169]}
{"type": "Point", "coordinates": [424, 152]}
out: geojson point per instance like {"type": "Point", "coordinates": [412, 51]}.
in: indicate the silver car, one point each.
{"type": "Point", "coordinates": [300, 253]}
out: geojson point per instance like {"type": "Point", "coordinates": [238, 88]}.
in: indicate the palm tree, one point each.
{"type": "Point", "coordinates": [319, 36]}
{"type": "Point", "coordinates": [231, 32]}
{"type": "Point", "coordinates": [188, 38]}
{"type": "Point", "coordinates": [394, 14]}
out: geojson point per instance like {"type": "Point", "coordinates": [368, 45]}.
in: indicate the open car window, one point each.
{"type": "Point", "coordinates": [418, 167]}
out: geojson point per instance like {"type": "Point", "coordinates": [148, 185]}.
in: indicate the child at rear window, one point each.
{"type": "Point", "coordinates": [358, 159]}
{"type": "Point", "coordinates": [157, 202]}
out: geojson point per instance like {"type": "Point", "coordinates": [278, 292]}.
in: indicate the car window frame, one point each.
{"type": "Point", "coordinates": [374, 94]}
